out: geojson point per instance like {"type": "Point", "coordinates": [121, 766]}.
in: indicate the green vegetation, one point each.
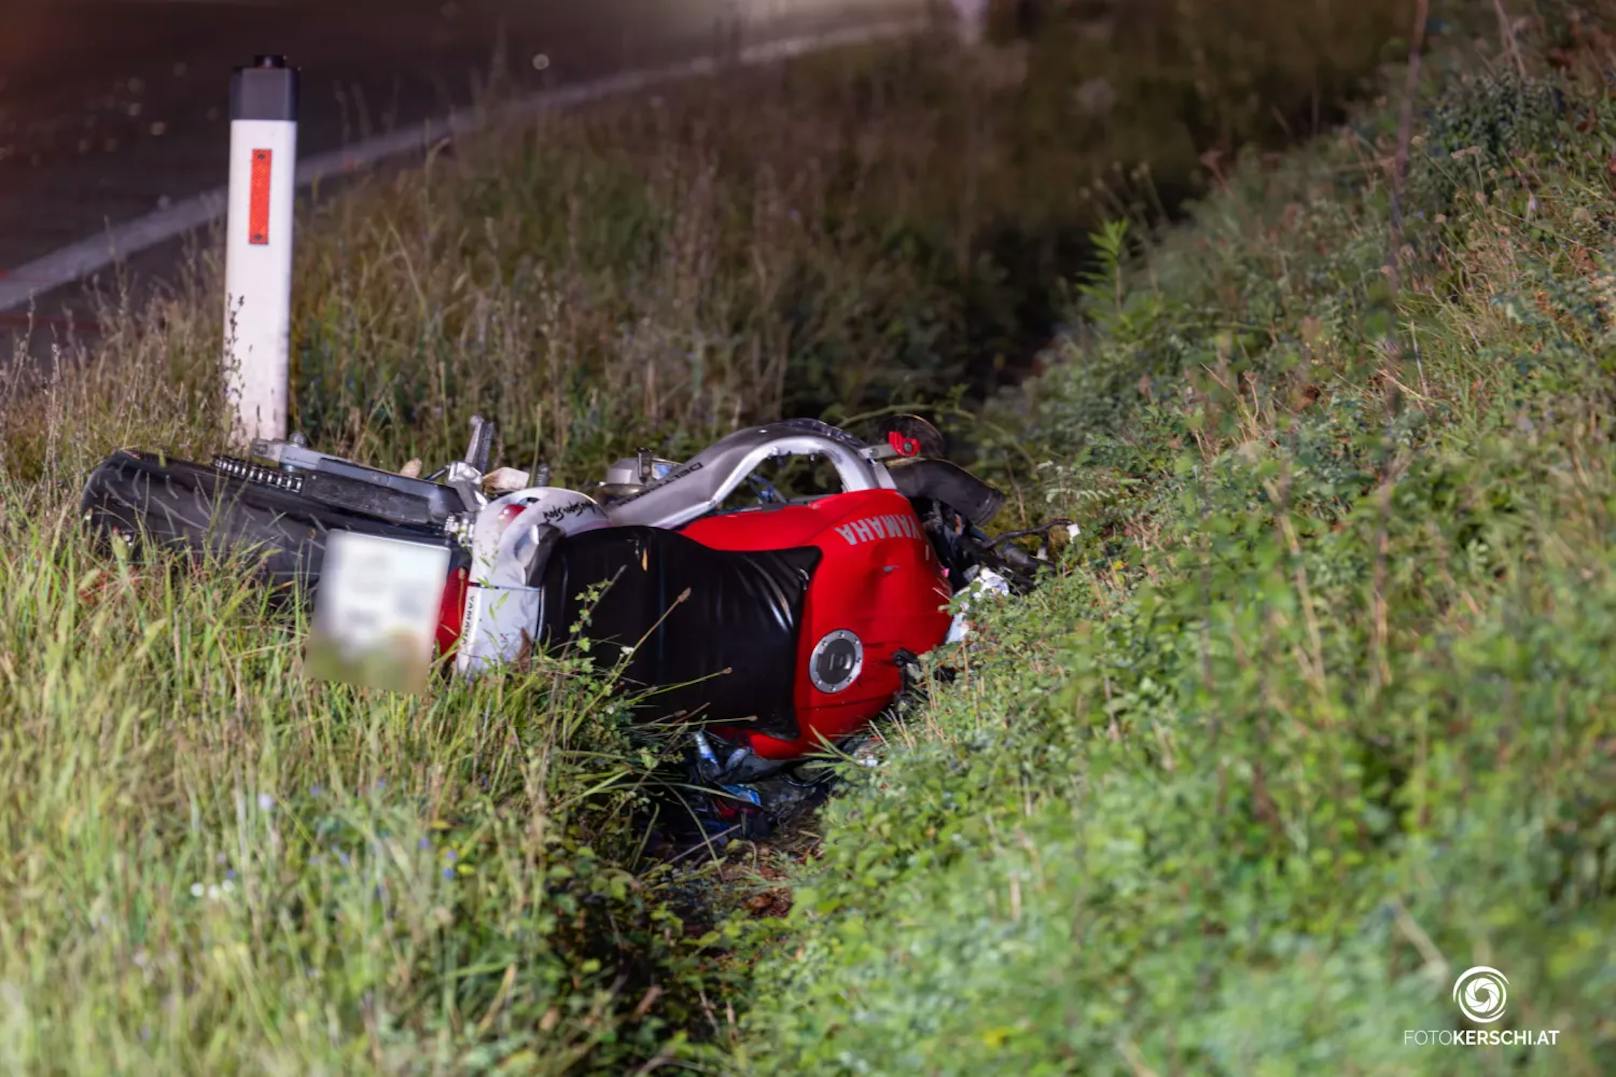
{"type": "Point", "coordinates": [214, 865]}
{"type": "Point", "coordinates": [1317, 713]}
{"type": "Point", "coordinates": [1323, 711]}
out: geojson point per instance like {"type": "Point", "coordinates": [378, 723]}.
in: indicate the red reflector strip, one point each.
{"type": "Point", "coordinates": [452, 611]}
{"type": "Point", "coordinates": [258, 204]}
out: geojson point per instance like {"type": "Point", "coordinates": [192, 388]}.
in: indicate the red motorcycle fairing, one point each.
{"type": "Point", "coordinates": [878, 579]}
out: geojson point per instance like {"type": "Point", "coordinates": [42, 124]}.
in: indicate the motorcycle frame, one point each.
{"type": "Point", "coordinates": [506, 537]}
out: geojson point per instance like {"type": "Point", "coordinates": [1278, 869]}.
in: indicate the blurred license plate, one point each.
{"type": "Point", "coordinates": [376, 611]}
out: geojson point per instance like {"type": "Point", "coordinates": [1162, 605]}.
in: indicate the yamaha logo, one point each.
{"type": "Point", "coordinates": [871, 528]}
{"type": "Point", "coordinates": [836, 661]}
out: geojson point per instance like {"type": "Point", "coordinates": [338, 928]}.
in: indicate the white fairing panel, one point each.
{"type": "Point", "coordinates": [501, 609]}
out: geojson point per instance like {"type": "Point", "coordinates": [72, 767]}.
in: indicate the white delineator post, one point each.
{"type": "Point", "coordinates": [258, 248]}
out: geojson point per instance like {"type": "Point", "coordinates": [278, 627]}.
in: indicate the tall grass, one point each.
{"type": "Point", "coordinates": [876, 225]}
{"type": "Point", "coordinates": [215, 864]}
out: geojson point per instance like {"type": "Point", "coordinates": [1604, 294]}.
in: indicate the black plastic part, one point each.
{"type": "Point", "coordinates": [1019, 560]}
{"type": "Point", "coordinates": [549, 537]}
{"type": "Point", "coordinates": [267, 90]}
{"type": "Point", "coordinates": [185, 506]}
{"type": "Point", "coordinates": [345, 485]}
{"type": "Point", "coordinates": [715, 631]}
{"type": "Point", "coordinates": [948, 484]}
{"type": "Point", "coordinates": [367, 499]}
{"type": "Point", "coordinates": [439, 501]}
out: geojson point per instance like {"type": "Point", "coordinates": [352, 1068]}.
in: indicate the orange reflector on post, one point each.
{"type": "Point", "coordinates": [258, 201]}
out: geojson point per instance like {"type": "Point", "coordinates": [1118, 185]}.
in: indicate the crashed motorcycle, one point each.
{"type": "Point", "coordinates": [774, 626]}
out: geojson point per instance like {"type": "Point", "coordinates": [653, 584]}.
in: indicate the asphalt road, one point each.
{"type": "Point", "coordinates": [110, 109]}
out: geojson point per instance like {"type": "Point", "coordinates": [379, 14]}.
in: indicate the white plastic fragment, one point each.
{"type": "Point", "coordinates": [985, 582]}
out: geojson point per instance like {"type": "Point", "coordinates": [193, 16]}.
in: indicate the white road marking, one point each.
{"type": "Point", "coordinates": [76, 261]}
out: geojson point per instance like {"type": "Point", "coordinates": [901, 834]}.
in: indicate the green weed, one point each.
{"type": "Point", "coordinates": [1320, 712]}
